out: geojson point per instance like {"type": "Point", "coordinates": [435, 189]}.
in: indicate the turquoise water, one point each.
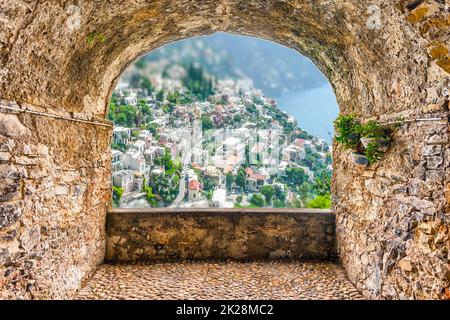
{"type": "Point", "coordinates": [314, 109]}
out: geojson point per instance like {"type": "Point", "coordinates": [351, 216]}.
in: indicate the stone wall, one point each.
{"type": "Point", "coordinates": [165, 235]}
{"type": "Point", "coordinates": [54, 187]}
{"type": "Point", "coordinates": [393, 218]}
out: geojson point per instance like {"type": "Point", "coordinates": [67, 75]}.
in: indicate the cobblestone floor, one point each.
{"type": "Point", "coordinates": [209, 280]}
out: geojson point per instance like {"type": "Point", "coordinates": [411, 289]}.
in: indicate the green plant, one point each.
{"type": "Point", "coordinates": [348, 131]}
{"type": "Point", "coordinates": [257, 200]}
{"type": "Point", "coordinates": [373, 129]}
{"type": "Point", "coordinates": [373, 153]}
{"type": "Point", "coordinates": [117, 195]}
{"type": "Point", "coordinates": [320, 202]}
{"type": "Point", "coordinates": [95, 36]}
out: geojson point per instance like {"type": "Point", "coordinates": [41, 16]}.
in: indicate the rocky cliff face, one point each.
{"type": "Point", "coordinates": [384, 61]}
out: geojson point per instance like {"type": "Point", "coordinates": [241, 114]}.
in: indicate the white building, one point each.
{"type": "Point", "coordinates": [293, 153]}
{"type": "Point", "coordinates": [200, 157]}
{"type": "Point", "coordinates": [131, 100]}
{"type": "Point", "coordinates": [219, 199]}
{"type": "Point", "coordinates": [139, 146]}
{"type": "Point", "coordinates": [121, 135]}
{"type": "Point", "coordinates": [134, 160]}
{"type": "Point", "coordinates": [194, 191]}
{"type": "Point", "coordinates": [116, 164]}
{"type": "Point", "coordinates": [124, 179]}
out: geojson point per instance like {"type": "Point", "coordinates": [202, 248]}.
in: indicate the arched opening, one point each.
{"type": "Point", "coordinates": [59, 66]}
{"type": "Point", "coordinates": [215, 114]}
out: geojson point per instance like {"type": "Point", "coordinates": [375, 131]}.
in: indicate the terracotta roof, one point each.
{"type": "Point", "coordinates": [249, 171]}
{"type": "Point", "coordinates": [228, 169]}
{"type": "Point", "coordinates": [258, 176]}
{"type": "Point", "coordinates": [194, 185]}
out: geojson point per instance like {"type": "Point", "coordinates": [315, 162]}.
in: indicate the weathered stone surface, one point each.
{"type": "Point", "coordinates": [55, 224]}
{"type": "Point", "coordinates": [9, 214]}
{"type": "Point", "coordinates": [385, 59]}
{"type": "Point", "coordinates": [193, 280]}
{"type": "Point", "coordinates": [10, 126]}
{"type": "Point", "coordinates": [165, 235]}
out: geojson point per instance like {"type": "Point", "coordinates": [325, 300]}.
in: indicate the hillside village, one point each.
{"type": "Point", "coordinates": [232, 148]}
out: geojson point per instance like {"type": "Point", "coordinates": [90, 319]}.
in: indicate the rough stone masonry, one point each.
{"type": "Point", "coordinates": [385, 59]}
{"type": "Point", "coordinates": [205, 234]}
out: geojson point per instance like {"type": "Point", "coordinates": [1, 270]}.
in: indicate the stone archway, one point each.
{"type": "Point", "coordinates": [384, 61]}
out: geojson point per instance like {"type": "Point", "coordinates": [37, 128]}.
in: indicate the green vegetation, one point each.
{"type": "Point", "coordinates": [94, 37]}
{"type": "Point", "coordinates": [257, 200]}
{"type": "Point", "coordinates": [117, 195]}
{"type": "Point", "coordinates": [197, 82]}
{"type": "Point", "coordinates": [229, 181]}
{"type": "Point", "coordinates": [350, 134]}
{"type": "Point", "coordinates": [151, 199]}
{"type": "Point", "coordinates": [207, 123]}
{"type": "Point", "coordinates": [295, 177]}
{"type": "Point", "coordinates": [293, 189]}
{"type": "Point", "coordinates": [373, 152]}
{"type": "Point", "coordinates": [268, 192]}
{"type": "Point", "coordinates": [348, 131]}
{"type": "Point", "coordinates": [241, 178]}
{"type": "Point", "coordinates": [320, 202]}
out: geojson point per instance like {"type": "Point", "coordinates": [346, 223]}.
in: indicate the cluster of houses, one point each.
{"type": "Point", "coordinates": [236, 139]}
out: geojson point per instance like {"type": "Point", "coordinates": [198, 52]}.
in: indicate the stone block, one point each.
{"type": "Point", "coordinates": [9, 214]}
{"type": "Point", "coordinates": [434, 162]}
{"type": "Point", "coordinates": [9, 189]}
{"type": "Point", "coordinates": [11, 126]}
{"type": "Point", "coordinates": [405, 264]}
{"type": "Point", "coordinates": [4, 156]}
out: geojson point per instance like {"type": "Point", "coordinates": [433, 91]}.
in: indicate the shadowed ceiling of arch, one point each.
{"type": "Point", "coordinates": [51, 66]}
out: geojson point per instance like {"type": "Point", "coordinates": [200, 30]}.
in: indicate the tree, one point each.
{"type": "Point", "coordinates": [206, 122]}
{"type": "Point", "coordinates": [117, 195]}
{"type": "Point", "coordinates": [279, 194]}
{"type": "Point", "coordinates": [279, 203]}
{"type": "Point", "coordinates": [297, 203]}
{"type": "Point", "coordinates": [149, 194]}
{"type": "Point", "coordinates": [153, 128]}
{"type": "Point", "coordinates": [304, 191]}
{"type": "Point", "coordinates": [173, 97]}
{"type": "Point", "coordinates": [320, 202]}
{"type": "Point", "coordinates": [268, 192]}
{"type": "Point", "coordinates": [209, 184]}
{"type": "Point", "coordinates": [322, 182]}
{"type": "Point", "coordinates": [257, 200]}
{"type": "Point", "coordinates": [229, 181]}
{"type": "Point", "coordinates": [295, 176]}
{"type": "Point", "coordinates": [197, 82]}
{"type": "Point", "coordinates": [145, 111]}
{"type": "Point", "coordinates": [208, 194]}
{"type": "Point", "coordinates": [160, 96]}
{"type": "Point", "coordinates": [147, 85]}
{"type": "Point", "coordinates": [237, 119]}
{"type": "Point", "coordinates": [241, 178]}
{"type": "Point", "coordinates": [140, 64]}
{"type": "Point", "coordinates": [247, 155]}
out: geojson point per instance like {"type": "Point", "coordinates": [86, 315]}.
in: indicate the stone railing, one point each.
{"type": "Point", "coordinates": [241, 234]}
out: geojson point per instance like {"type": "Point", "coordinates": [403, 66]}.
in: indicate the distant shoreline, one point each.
{"type": "Point", "coordinates": [315, 110]}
